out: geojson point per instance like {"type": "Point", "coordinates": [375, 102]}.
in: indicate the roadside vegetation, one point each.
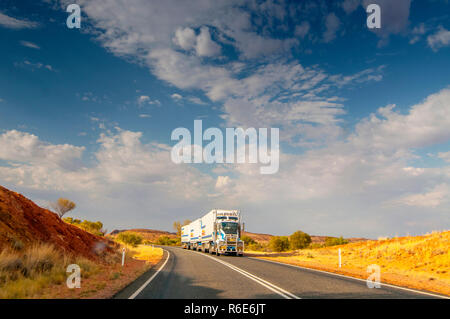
{"type": "Point", "coordinates": [297, 240]}
{"type": "Point", "coordinates": [25, 272]}
{"type": "Point", "coordinates": [95, 228]}
{"type": "Point", "coordinates": [167, 241]}
{"type": "Point", "coordinates": [130, 238]}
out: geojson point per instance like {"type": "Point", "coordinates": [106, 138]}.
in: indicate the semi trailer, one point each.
{"type": "Point", "coordinates": [218, 232]}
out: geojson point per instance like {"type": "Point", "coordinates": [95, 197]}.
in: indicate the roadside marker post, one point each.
{"type": "Point", "coordinates": [123, 256]}
{"type": "Point", "coordinates": [340, 259]}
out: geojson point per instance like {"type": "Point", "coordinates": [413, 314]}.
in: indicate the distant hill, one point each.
{"type": "Point", "coordinates": [265, 238]}
{"type": "Point", "coordinates": [23, 223]}
{"type": "Point", "coordinates": [148, 234]}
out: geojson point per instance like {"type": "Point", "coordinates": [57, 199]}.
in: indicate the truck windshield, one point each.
{"type": "Point", "coordinates": [230, 227]}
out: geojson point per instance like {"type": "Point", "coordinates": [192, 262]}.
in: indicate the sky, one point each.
{"type": "Point", "coordinates": [364, 114]}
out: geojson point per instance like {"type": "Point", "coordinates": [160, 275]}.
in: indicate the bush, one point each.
{"type": "Point", "coordinates": [299, 240]}
{"type": "Point", "coordinates": [334, 241]}
{"type": "Point", "coordinates": [255, 247]}
{"type": "Point", "coordinates": [166, 240]}
{"type": "Point", "coordinates": [279, 243]}
{"type": "Point", "coordinates": [248, 240]}
{"type": "Point", "coordinates": [130, 238]}
{"type": "Point", "coordinates": [91, 227]}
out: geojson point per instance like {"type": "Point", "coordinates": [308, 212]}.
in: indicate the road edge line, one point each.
{"type": "Point", "coordinates": [350, 277]}
{"type": "Point", "coordinates": [138, 291]}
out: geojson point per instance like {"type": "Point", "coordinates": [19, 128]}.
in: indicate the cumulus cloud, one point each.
{"type": "Point", "coordinates": [439, 39]}
{"type": "Point", "coordinates": [205, 45]}
{"type": "Point", "coordinates": [185, 38]}
{"type": "Point", "coordinates": [25, 147]}
{"type": "Point", "coordinates": [176, 96]}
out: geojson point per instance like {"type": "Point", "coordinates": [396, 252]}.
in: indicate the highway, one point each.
{"type": "Point", "coordinates": [189, 274]}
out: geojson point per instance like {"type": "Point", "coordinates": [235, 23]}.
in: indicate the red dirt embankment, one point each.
{"type": "Point", "coordinates": [22, 222]}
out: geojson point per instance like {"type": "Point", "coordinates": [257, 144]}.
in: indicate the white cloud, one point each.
{"type": "Point", "coordinates": [25, 147]}
{"type": "Point", "coordinates": [176, 96]}
{"type": "Point", "coordinates": [332, 25]}
{"type": "Point", "coordinates": [34, 65]}
{"type": "Point", "coordinates": [439, 40]}
{"type": "Point", "coordinates": [29, 44]}
{"type": "Point", "coordinates": [185, 38]}
{"type": "Point", "coordinates": [144, 116]}
{"type": "Point", "coordinates": [432, 198]}
{"type": "Point", "coordinates": [143, 99]}
{"type": "Point", "coordinates": [205, 45]}
{"type": "Point", "coordinates": [444, 156]}
{"type": "Point", "coordinates": [13, 23]}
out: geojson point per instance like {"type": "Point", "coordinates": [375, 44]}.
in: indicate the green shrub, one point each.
{"type": "Point", "coordinates": [91, 227]}
{"type": "Point", "coordinates": [130, 238]}
{"type": "Point", "coordinates": [167, 241]}
{"type": "Point", "coordinates": [248, 240]}
{"type": "Point", "coordinates": [279, 243]}
{"type": "Point", "coordinates": [299, 240]}
{"type": "Point", "coordinates": [334, 241]}
{"type": "Point", "coordinates": [255, 247]}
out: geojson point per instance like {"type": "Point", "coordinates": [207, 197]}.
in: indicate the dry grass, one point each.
{"type": "Point", "coordinates": [147, 253]}
{"type": "Point", "coordinates": [421, 262]}
{"type": "Point", "coordinates": [24, 273]}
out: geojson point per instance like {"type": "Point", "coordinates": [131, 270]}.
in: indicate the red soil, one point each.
{"type": "Point", "coordinates": [23, 222]}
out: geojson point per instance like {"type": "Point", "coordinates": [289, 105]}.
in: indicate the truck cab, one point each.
{"type": "Point", "coordinates": [228, 234]}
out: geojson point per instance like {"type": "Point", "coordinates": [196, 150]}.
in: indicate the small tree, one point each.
{"type": "Point", "coordinates": [130, 238]}
{"type": "Point", "coordinates": [333, 241]}
{"type": "Point", "coordinates": [279, 243]}
{"type": "Point", "coordinates": [62, 206]}
{"type": "Point", "coordinates": [248, 240]}
{"type": "Point", "coordinates": [299, 240]}
{"type": "Point", "coordinates": [177, 226]}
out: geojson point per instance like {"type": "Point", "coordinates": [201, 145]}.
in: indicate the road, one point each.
{"type": "Point", "coordinates": [190, 274]}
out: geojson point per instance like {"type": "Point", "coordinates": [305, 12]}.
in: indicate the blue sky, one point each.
{"type": "Point", "coordinates": [88, 113]}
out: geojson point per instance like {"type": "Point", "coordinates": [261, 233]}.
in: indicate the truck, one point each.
{"type": "Point", "coordinates": [218, 232]}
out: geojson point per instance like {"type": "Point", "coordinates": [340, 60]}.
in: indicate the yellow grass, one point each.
{"type": "Point", "coordinates": [147, 253]}
{"type": "Point", "coordinates": [23, 274]}
{"type": "Point", "coordinates": [421, 262]}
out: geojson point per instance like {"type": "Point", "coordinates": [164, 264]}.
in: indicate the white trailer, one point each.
{"type": "Point", "coordinates": [217, 232]}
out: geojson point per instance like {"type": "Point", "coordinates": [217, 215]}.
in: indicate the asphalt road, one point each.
{"type": "Point", "coordinates": [190, 274]}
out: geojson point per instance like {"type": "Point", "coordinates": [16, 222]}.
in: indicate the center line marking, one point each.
{"type": "Point", "coordinates": [280, 291]}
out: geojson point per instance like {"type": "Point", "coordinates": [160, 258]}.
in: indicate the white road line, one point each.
{"type": "Point", "coordinates": [280, 291]}
{"type": "Point", "coordinates": [137, 292]}
{"type": "Point", "coordinates": [359, 279]}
